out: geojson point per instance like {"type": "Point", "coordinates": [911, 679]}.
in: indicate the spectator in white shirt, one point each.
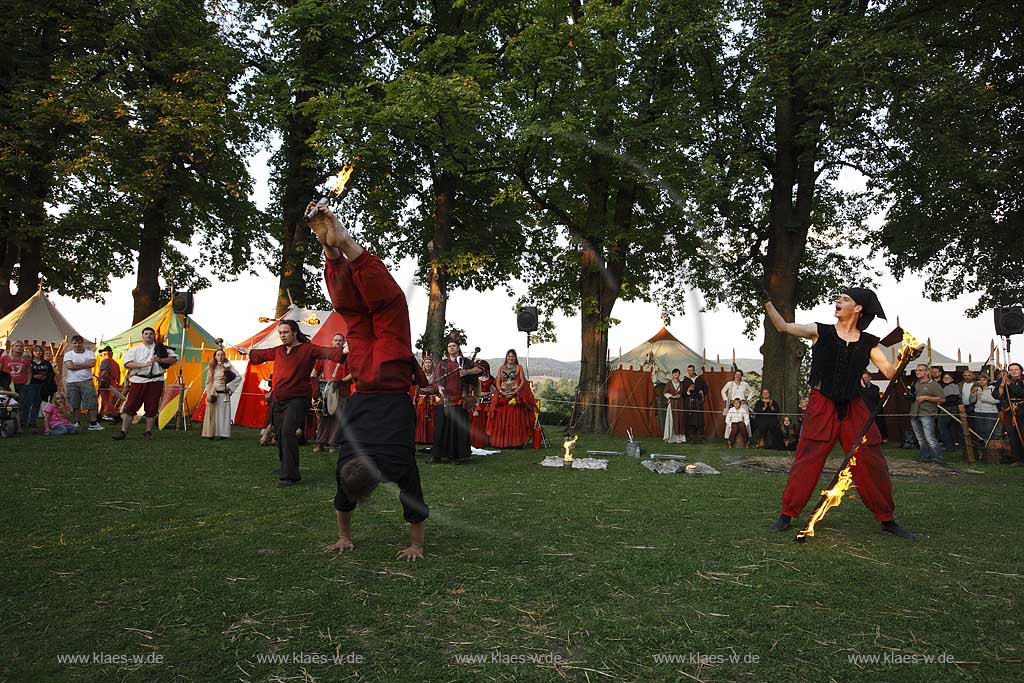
{"type": "Point", "coordinates": [737, 388]}
{"type": "Point", "coordinates": [78, 365]}
{"type": "Point", "coordinates": [737, 425]}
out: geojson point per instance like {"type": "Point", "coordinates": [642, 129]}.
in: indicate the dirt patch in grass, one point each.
{"type": "Point", "coordinates": [897, 468]}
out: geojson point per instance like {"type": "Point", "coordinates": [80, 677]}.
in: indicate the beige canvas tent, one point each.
{"type": "Point", "coordinates": [669, 353]}
{"type": "Point", "coordinates": [37, 321]}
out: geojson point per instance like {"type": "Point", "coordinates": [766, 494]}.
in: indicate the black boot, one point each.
{"type": "Point", "coordinates": [896, 530]}
{"type": "Point", "coordinates": [781, 524]}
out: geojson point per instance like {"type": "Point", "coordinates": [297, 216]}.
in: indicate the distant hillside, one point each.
{"type": "Point", "coordinates": [544, 367]}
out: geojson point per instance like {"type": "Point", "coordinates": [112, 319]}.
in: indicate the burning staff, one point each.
{"type": "Point", "coordinates": [835, 411]}
{"type": "Point", "coordinates": [338, 191]}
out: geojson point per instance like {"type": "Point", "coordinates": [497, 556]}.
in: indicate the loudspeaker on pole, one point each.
{"type": "Point", "coordinates": [1009, 320]}
{"type": "Point", "coordinates": [183, 303]}
{"type": "Point", "coordinates": [527, 318]}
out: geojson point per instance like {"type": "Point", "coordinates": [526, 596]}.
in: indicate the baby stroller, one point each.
{"type": "Point", "coordinates": [10, 411]}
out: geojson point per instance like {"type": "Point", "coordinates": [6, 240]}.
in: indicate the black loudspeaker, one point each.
{"type": "Point", "coordinates": [1009, 321]}
{"type": "Point", "coordinates": [526, 319]}
{"type": "Point", "coordinates": [183, 303]}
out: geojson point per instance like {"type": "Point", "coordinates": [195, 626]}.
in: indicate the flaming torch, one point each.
{"type": "Point", "coordinates": [833, 495]}
{"type": "Point", "coordinates": [568, 445]}
{"type": "Point", "coordinates": [338, 191]}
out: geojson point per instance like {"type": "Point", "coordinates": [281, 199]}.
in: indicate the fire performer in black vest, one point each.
{"type": "Point", "coordinates": [835, 410]}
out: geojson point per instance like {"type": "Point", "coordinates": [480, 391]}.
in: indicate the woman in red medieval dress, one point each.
{"type": "Point", "coordinates": [512, 409]}
{"type": "Point", "coordinates": [480, 414]}
{"type": "Point", "coordinates": [424, 399]}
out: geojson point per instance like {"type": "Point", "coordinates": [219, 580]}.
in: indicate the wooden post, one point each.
{"type": "Point", "coordinates": [968, 438]}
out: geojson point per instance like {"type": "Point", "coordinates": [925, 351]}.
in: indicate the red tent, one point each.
{"type": "Point", "coordinates": [631, 403]}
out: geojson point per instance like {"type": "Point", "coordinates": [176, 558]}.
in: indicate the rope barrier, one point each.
{"type": "Point", "coordinates": [710, 412]}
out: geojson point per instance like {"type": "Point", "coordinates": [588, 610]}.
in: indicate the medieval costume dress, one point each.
{"type": "Point", "coordinates": [512, 409]}
{"type": "Point", "coordinates": [694, 392]}
{"type": "Point", "coordinates": [378, 417]}
{"type": "Point", "coordinates": [836, 411]}
{"type": "Point", "coordinates": [451, 421]}
{"type": "Point", "coordinates": [675, 420]}
{"type": "Point", "coordinates": [425, 399]}
{"type": "Point", "coordinates": [221, 382]}
{"type": "Point", "coordinates": [480, 412]}
{"type": "Point", "coordinates": [334, 390]}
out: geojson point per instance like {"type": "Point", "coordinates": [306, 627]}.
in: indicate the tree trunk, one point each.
{"type": "Point", "coordinates": [789, 222]}
{"type": "Point", "coordinates": [10, 251]}
{"type": "Point", "coordinates": [299, 184]}
{"type": "Point", "coordinates": [147, 283]}
{"type": "Point", "coordinates": [592, 415]}
{"type": "Point", "coordinates": [29, 268]}
{"type": "Point", "coordinates": [440, 246]}
{"type": "Point", "coordinates": [600, 285]}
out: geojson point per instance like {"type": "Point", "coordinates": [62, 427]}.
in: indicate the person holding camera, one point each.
{"type": "Point", "coordinates": [222, 380]}
{"type": "Point", "coordinates": [1010, 392]}
{"type": "Point", "coordinates": [146, 364]}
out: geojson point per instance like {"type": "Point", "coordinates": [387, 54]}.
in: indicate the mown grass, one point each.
{"type": "Point", "coordinates": [185, 549]}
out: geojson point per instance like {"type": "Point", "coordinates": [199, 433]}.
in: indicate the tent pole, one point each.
{"type": "Point", "coordinates": [181, 420]}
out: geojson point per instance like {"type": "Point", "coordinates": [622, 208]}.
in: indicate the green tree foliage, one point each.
{"type": "Point", "coordinates": [41, 137]}
{"type": "Point", "coordinates": [425, 135]}
{"type": "Point", "coordinates": [307, 50]}
{"type": "Point", "coordinates": [164, 163]}
{"type": "Point", "coordinates": [608, 101]}
{"type": "Point", "coordinates": [950, 174]}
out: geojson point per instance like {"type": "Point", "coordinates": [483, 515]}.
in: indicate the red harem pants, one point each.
{"type": "Point", "coordinates": [374, 309]}
{"type": "Point", "coordinates": [821, 428]}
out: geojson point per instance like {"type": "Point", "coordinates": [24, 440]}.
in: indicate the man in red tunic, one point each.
{"type": "Point", "coordinates": [377, 441]}
{"type": "Point", "coordinates": [835, 410]}
{"type": "Point", "coordinates": [293, 360]}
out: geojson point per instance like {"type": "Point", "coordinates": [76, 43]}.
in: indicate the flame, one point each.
{"type": "Point", "coordinates": [343, 175]}
{"type": "Point", "coordinates": [312, 320]}
{"type": "Point", "coordinates": [568, 446]}
{"type": "Point", "coordinates": [909, 344]}
{"type": "Point", "coordinates": [833, 496]}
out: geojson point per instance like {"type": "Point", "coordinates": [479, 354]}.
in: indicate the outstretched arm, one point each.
{"type": "Point", "coordinates": [792, 329]}
{"type": "Point", "coordinates": [882, 363]}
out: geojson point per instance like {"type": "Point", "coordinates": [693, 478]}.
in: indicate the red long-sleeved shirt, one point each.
{"type": "Point", "coordinates": [292, 366]}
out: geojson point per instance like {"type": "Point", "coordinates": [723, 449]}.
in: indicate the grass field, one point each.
{"type": "Point", "coordinates": [183, 553]}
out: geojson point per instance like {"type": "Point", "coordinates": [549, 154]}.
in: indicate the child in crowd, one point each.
{"type": "Point", "coordinates": [57, 417]}
{"type": "Point", "coordinates": [737, 425]}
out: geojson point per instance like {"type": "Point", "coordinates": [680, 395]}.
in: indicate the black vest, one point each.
{"type": "Point", "coordinates": [837, 366]}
